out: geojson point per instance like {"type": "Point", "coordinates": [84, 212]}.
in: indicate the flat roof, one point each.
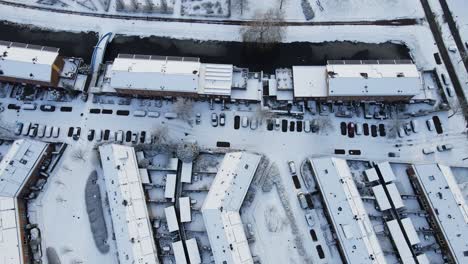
{"type": "Point", "coordinates": [381, 197]}
{"type": "Point", "coordinates": [171, 218]}
{"type": "Point", "coordinates": [345, 208]}
{"type": "Point", "coordinates": [185, 210]}
{"type": "Point", "coordinates": [395, 195]}
{"type": "Point", "coordinates": [18, 164]}
{"type": "Point", "coordinates": [410, 231]}
{"type": "Point", "coordinates": [216, 79]}
{"type": "Point", "coordinates": [371, 175]}
{"type": "Point", "coordinates": [399, 241]}
{"type": "Point", "coordinates": [10, 242]}
{"type": "Point", "coordinates": [25, 61]}
{"type": "Point", "coordinates": [179, 252]}
{"type": "Point", "coordinates": [156, 74]}
{"type": "Point", "coordinates": [144, 176]}
{"type": "Point", "coordinates": [252, 92]}
{"type": "Point", "coordinates": [448, 206]}
{"type": "Point", "coordinates": [186, 174]}
{"type": "Point", "coordinates": [386, 172]}
{"type": "Point", "coordinates": [373, 80]}
{"type": "Point", "coordinates": [129, 213]}
{"type": "Point", "coordinates": [169, 190]}
{"type": "Point", "coordinates": [193, 251]}
{"type": "Point", "coordinates": [221, 207]}
{"type": "Point", "coordinates": [310, 81]}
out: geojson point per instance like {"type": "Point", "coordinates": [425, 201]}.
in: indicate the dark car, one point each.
{"type": "Point", "coordinates": [343, 128]}
{"type": "Point", "coordinates": [70, 132]}
{"type": "Point", "coordinates": [374, 130]}
{"type": "Point", "coordinates": [222, 119]}
{"type": "Point", "coordinates": [351, 129]}
{"type": "Point", "coordinates": [142, 136]}
{"type": "Point", "coordinates": [106, 134]}
{"type": "Point", "coordinates": [91, 134]}
{"type": "Point", "coordinates": [128, 136]}
{"type": "Point", "coordinates": [47, 108]}
{"type": "Point", "coordinates": [366, 129]}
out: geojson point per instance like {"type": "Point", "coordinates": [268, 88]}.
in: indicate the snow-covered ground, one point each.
{"type": "Point", "coordinates": [459, 9]}
{"type": "Point", "coordinates": [329, 10]}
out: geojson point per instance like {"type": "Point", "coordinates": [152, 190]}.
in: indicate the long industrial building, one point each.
{"type": "Point", "coordinates": [221, 207]}
{"type": "Point", "coordinates": [19, 169]}
{"type": "Point", "coordinates": [448, 212]}
{"type": "Point", "coordinates": [357, 241]}
{"type": "Point", "coordinates": [132, 226]}
{"type": "Point", "coordinates": [40, 66]}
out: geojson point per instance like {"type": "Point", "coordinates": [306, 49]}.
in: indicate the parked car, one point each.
{"type": "Point", "coordinates": [26, 127]}
{"type": "Point", "coordinates": [139, 113]}
{"type": "Point", "coordinates": [170, 115]}
{"type": "Point", "coordinates": [302, 200]}
{"type": "Point", "coordinates": [310, 219]}
{"type": "Point", "coordinates": [198, 118]}
{"type": "Point", "coordinates": [444, 147]}
{"type": "Point", "coordinates": [277, 123]}
{"type": "Point", "coordinates": [343, 128]}
{"type": "Point", "coordinates": [119, 136]}
{"type": "Point", "coordinates": [430, 124]}
{"type": "Point", "coordinates": [48, 132]}
{"type": "Point", "coordinates": [414, 126]}
{"type": "Point", "coordinates": [357, 129]}
{"type": "Point", "coordinates": [214, 119]}
{"type": "Point", "coordinates": [91, 134]}
{"type": "Point", "coordinates": [351, 129]}
{"type": "Point", "coordinates": [28, 107]}
{"type": "Point", "coordinates": [70, 131]}
{"type": "Point", "coordinates": [55, 132]}
{"type": "Point", "coordinates": [245, 121]}
{"type": "Point", "coordinates": [401, 132]}
{"type": "Point", "coordinates": [33, 130]}
{"type": "Point", "coordinates": [427, 151]}
{"type": "Point", "coordinates": [253, 124]}
{"type": "Point", "coordinates": [77, 133]}
{"type": "Point", "coordinates": [99, 135]}
{"type": "Point", "coordinates": [18, 128]}
{"type": "Point", "coordinates": [47, 108]}
{"type": "Point", "coordinates": [292, 167]}
{"type": "Point", "coordinates": [134, 138]}
{"type": "Point", "coordinates": [393, 154]}
{"type": "Point", "coordinates": [307, 127]}
{"type": "Point", "coordinates": [41, 131]}
{"type": "Point", "coordinates": [222, 119]}
{"type": "Point", "coordinates": [314, 126]}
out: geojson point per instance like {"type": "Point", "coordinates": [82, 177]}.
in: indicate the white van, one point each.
{"type": "Point", "coordinates": [25, 130]}
{"type": "Point", "coordinates": [414, 126]}
{"type": "Point", "coordinates": [55, 132]}
{"type": "Point", "coordinates": [48, 132]}
{"type": "Point", "coordinates": [28, 107]}
{"type": "Point", "coordinates": [139, 113]}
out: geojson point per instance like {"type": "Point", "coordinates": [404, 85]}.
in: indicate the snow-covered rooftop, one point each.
{"type": "Point", "coordinates": [171, 218]}
{"type": "Point", "coordinates": [25, 61]}
{"type": "Point", "coordinates": [448, 206]}
{"type": "Point", "coordinates": [132, 227]}
{"type": "Point", "coordinates": [354, 230]}
{"type": "Point", "coordinates": [179, 253]}
{"type": "Point", "coordinates": [381, 197]}
{"type": "Point", "coordinates": [310, 81]}
{"type": "Point", "coordinates": [186, 173]}
{"type": "Point", "coordinates": [155, 73]}
{"type": "Point", "coordinates": [386, 172]}
{"type": "Point", "coordinates": [18, 164]}
{"type": "Point", "coordinates": [395, 196]}
{"type": "Point", "coordinates": [216, 79]}
{"type": "Point", "coordinates": [221, 208]}
{"type": "Point", "coordinates": [373, 80]}
{"type": "Point", "coordinates": [10, 242]}
{"type": "Point", "coordinates": [192, 250]}
{"type": "Point", "coordinates": [169, 189]}
{"type": "Point", "coordinates": [185, 210]}
{"type": "Point", "coordinates": [406, 256]}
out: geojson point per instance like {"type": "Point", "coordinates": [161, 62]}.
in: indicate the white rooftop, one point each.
{"type": "Point", "coordinates": [17, 165]}
{"type": "Point", "coordinates": [371, 175]}
{"type": "Point", "coordinates": [193, 252]}
{"type": "Point", "coordinates": [403, 249]}
{"type": "Point", "coordinates": [395, 196]}
{"type": "Point", "coordinates": [448, 206]}
{"type": "Point", "coordinates": [185, 210]}
{"type": "Point", "coordinates": [169, 189]}
{"type": "Point", "coordinates": [132, 227]}
{"type": "Point", "coordinates": [186, 174]}
{"type": "Point", "coordinates": [10, 242]}
{"type": "Point", "coordinates": [179, 254]}
{"type": "Point", "coordinates": [216, 79]}
{"type": "Point", "coordinates": [156, 74]}
{"type": "Point", "coordinates": [171, 218]}
{"type": "Point", "coordinates": [373, 80]}
{"type": "Point", "coordinates": [25, 61]}
{"type": "Point", "coordinates": [386, 172]}
{"type": "Point", "coordinates": [310, 81]}
{"type": "Point", "coordinates": [221, 208]}
{"type": "Point", "coordinates": [354, 230]}
{"type": "Point", "coordinates": [381, 198]}
{"type": "Point", "coordinates": [410, 231]}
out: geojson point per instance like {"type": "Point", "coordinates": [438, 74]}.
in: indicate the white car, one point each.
{"type": "Point", "coordinates": [292, 167]}
{"type": "Point", "coordinates": [414, 126]}
{"type": "Point", "coordinates": [41, 131]}
{"type": "Point", "coordinates": [55, 132]}
{"type": "Point", "coordinates": [310, 219]}
{"type": "Point", "coordinates": [307, 127]}
{"type": "Point", "coordinates": [48, 132]}
{"type": "Point", "coordinates": [245, 121]}
{"type": "Point", "coordinates": [430, 124]}
{"type": "Point", "coordinates": [427, 151]}
{"type": "Point", "coordinates": [358, 129]}
{"type": "Point", "coordinates": [401, 132]}
{"type": "Point", "coordinates": [445, 147]}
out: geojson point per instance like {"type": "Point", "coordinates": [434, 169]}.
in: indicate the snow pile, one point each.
{"type": "Point", "coordinates": [206, 8]}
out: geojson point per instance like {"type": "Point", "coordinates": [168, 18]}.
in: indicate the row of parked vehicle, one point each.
{"type": "Point", "coordinates": [36, 130]}
{"type": "Point", "coordinates": [413, 126]}
{"type": "Point", "coordinates": [356, 129]}
{"type": "Point", "coordinates": [119, 136]}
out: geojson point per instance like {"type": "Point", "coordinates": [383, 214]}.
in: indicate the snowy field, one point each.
{"type": "Point", "coordinates": [324, 10]}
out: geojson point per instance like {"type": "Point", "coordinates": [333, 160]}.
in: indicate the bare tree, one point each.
{"type": "Point", "coordinates": [263, 114]}
{"type": "Point", "coordinates": [459, 108]}
{"type": "Point", "coordinates": [187, 151]}
{"type": "Point", "coordinates": [79, 154]}
{"type": "Point", "coordinates": [183, 108]}
{"type": "Point", "coordinates": [394, 125]}
{"type": "Point", "coordinates": [324, 124]}
{"type": "Point", "coordinates": [265, 28]}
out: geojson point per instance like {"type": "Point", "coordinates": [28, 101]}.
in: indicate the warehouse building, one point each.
{"type": "Point", "coordinates": [358, 80]}
{"type": "Point", "coordinates": [357, 241]}
{"type": "Point", "coordinates": [221, 207]}
{"type": "Point", "coordinates": [127, 202]}
{"type": "Point", "coordinates": [40, 66]}
{"type": "Point", "coordinates": [19, 169]}
{"type": "Point", "coordinates": [441, 197]}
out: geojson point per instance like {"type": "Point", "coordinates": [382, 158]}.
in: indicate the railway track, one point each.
{"type": "Point", "coordinates": [391, 22]}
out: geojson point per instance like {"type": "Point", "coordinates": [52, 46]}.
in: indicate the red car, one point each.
{"type": "Point", "coordinates": [351, 129]}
